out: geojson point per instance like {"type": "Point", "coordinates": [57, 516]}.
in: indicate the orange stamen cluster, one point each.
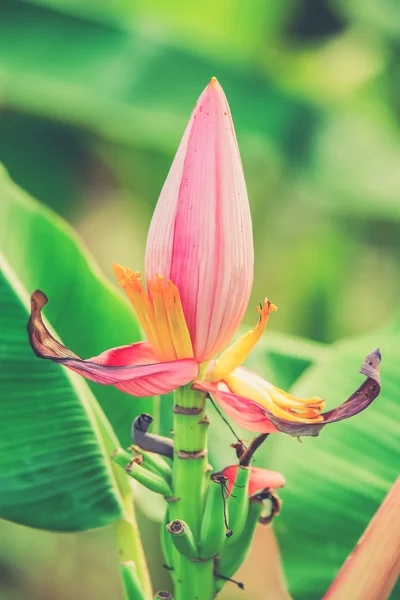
{"type": "Point", "coordinates": [160, 313]}
{"type": "Point", "coordinates": [296, 409]}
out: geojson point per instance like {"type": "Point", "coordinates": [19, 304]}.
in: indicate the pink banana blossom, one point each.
{"type": "Point", "coordinates": [197, 284]}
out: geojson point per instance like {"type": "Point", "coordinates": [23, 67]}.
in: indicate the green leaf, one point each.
{"type": "Point", "coordinates": [283, 358]}
{"type": "Point", "coordinates": [336, 482]}
{"type": "Point", "coordinates": [54, 470]}
{"type": "Point", "coordinates": [85, 310]}
{"type": "Point", "coordinates": [383, 18]}
{"type": "Point", "coordinates": [54, 177]}
{"type": "Point", "coordinates": [109, 11]}
{"type": "Point", "coordinates": [127, 86]}
{"type": "Point", "coordinates": [365, 149]}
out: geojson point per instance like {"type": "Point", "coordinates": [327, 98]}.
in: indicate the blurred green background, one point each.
{"type": "Point", "coordinates": [94, 97]}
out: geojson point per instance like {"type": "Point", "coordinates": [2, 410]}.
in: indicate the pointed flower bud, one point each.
{"type": "Point", "coordinates": [200, 236]}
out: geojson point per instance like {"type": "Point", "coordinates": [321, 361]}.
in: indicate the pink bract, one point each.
{"type": "Point", "coordinates": [201, 235]}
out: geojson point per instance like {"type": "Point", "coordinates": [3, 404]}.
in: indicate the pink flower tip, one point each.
{"type": "Point", "coordinates": [200, 236]}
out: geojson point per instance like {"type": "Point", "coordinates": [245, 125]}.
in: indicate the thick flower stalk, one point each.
{"type": "Point", "coordinates": [190, 302]}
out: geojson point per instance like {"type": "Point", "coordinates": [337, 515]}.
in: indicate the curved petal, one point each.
{"type": "Point", "coordinates": [132, 369]}
{"type": "Point", "coordinates": [140, 353]}
{"type": "Point", "coordinates": [233, 356]}
{"type": "Point", "coordinates": [251, 415]}
{"type": "Point", "coordinates": [200, 235]}
{"type": "Point", "coordinates": [244, 411]}
{"type": "Point", "coordinates": [274, 400]}
{"type": "Point", "coordinates": [260, 479]}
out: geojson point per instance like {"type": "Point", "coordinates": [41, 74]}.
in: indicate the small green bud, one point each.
{"type": "Point", "coordinates": [213, 527]}
{"type": "Point", "coordinates": [238, 503]}
{"type": "Point", "coordinates": [149, 479]}
{"type": "Point", "coordinates": [234, 554]}
{"type": "Point", "coordinates": [154, 462]}
{"type": "Point", "coordinates": [131, 583]}
{"type": "Point", "coordinates": [182, 538]}
{"type": "Point", "coordinates": [121, 457]}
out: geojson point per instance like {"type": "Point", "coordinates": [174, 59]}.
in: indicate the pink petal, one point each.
{"type": "Point", "coordinates": [372, 569]}
{"type": "Point", "coordinates": [126, 367]}
{"type": "Point", "coordinates": [260, 479]}
{"type": "Point", "coordinates": [140, 353]}
{"type": "Point", "coordinates": [136, 377]}
{"type": "Point", "coordinates": [244, 411]}
{"type": "Point", "coordinates": [200, 235]}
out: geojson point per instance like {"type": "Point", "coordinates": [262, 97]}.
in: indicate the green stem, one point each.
{"type": "Point", "coordinates": [127, 533]}
{"type": "Point", "coordinates": [193, 580]}
{"type": "Point", "coordinates": [130, 547]}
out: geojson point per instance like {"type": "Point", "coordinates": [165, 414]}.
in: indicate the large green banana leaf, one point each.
{"type": "Point", "coordinates": [54, 470]}
{"type": "Point", "coordinates": [85, 310]}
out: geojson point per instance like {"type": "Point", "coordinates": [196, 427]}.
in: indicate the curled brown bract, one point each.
{"type": "Point", "coordinates": [43, 343]}
{"type": "Point", "coordinates": [357, 402]}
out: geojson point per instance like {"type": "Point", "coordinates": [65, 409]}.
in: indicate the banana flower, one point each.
{"type": "Point", "coordinates": [196, 287]}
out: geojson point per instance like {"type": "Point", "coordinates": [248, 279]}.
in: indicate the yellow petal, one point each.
{"type": "Point", "coordinates": [157, 293]}
{"type": "Point", "coordinates": [235, 354]}
{"type": "Point", "coordinates": [177, 322]}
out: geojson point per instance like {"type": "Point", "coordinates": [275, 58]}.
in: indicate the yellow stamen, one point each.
{"type": "Point", "coordinates": [235, 354]}
{"type": "Point", "coordinates": [279, 403]}
{"type": "Point", "coordinates": [132, 284]}
{"type": "Point", "coordinates": [177, 322]}
{"type": "Point", "coordinates": [160, 314]}
{"type": "Point", "coordinates": [286, 400]}
{"type": "Point", "coordinates": [156, 291]}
